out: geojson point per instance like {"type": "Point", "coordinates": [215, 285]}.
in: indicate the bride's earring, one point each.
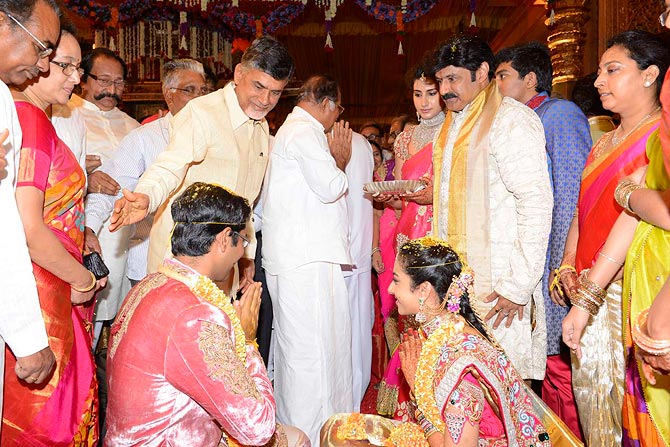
{"type": "Point", "coordinates": [418, 117]}
{"type": "Point", "coordinates": [420, 317]}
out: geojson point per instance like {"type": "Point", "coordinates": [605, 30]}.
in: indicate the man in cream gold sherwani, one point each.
{"type": "Point", "coordinates": [220, 138]}
{"type": "Point", "coordinates": [492, 198]}
{"type": "Point", "coordinates": [305, 243]}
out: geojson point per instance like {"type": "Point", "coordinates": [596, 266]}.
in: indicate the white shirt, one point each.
{"type": "Point", "coordinates": [104, 130]}
{"type": "Point", "coordinates": [304, 209]}
{"type": "Point", "coordinates": [359, 205]}
{"type": "Point", "coordinates": [21, 323]}
{"type": "Point", "coordinates": [71, 129]}
{"type": "Point", "coordinates": [136, 152]}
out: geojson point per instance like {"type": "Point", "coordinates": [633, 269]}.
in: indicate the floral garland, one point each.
{"type": "Point", "coordinates": [246, 23]}
{"type": "Point", "coordinates": [425, 370]}
{"type": "Point", "coordinates": [389, 13]}
{"type": "Point", "coordinates": [98, 14]}
{"type": "Point", "coordinates": [205, 289]}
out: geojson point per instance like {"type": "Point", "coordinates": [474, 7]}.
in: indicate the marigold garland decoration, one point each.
{"type": "Point", "coordinates": [353, 428]}
{"type": "Point", "coordinates": [406, 434]}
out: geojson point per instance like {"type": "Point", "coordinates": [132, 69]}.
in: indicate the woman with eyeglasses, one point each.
{"type": "Point", "coordinates": [49, 193]}
{"type": "Point", "coordinates": [413, 150]}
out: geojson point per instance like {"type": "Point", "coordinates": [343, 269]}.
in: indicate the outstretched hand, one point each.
{"type": "Point", "coordinates": [129, 209]}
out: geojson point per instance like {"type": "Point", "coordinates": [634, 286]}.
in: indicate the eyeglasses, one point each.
{"type": "Point", "coordinates": [663, 18]}
{"type": "Point", "coordinates": [373, 137]}
{"type": "Point", "coordinates": [193, 91]}
{"type": "Point", "coordinates": [45, 51]}
{"type": "Point", "coordinates": [107, 82]}
{"type": "Point", "coordinates": [394, 134]}
{"type": "Point", "coordinates": [340, 109]}
{"type": "Point", "coordinates": [245, 241]}
{"type": "Point", "coordinates": [68, 68]}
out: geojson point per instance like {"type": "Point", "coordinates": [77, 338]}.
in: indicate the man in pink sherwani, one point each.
{"type": "Point", "coordinates": [183, 368]}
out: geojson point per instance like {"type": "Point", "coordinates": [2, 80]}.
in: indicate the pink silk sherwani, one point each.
{"type": "Point", "coordinates": [173, 373]}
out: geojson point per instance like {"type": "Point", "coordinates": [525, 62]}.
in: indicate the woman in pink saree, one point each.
{"type": "Point", "coordinates": [413, 161]}
{"type": "Point", "coordinates": [62, 411]}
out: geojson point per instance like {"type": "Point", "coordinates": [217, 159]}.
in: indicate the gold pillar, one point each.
{"type": "Point", "coordinates": [566, 43]}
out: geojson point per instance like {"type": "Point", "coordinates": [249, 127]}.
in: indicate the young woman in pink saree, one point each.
{"type": "Point", "coordinates": [49, 194]}
{"type": "Point", "coordinates": [413, 161]}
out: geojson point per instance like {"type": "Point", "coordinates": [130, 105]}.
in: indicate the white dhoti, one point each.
{"type": "Point", "coordinates": [312, 351]}
{"type": "Point", "coordinates": [361, 308]}
{"type": "Point", "coordinates": [115, 254]}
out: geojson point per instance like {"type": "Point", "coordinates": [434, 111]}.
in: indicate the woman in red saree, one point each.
{"type": "Point", "coordinates": [49, 194]}
{"type": "Point", "coordinates": [630, 74]}
{"type": "Point", "coordinates": [413, 150]}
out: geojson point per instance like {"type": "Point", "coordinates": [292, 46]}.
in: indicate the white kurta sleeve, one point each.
{"type": "Point", "coordinates": [21, 323]}
{"type": "Point", "coordinates": [518, 147]}
{"type": "Point", "coordinates": [310, 150]}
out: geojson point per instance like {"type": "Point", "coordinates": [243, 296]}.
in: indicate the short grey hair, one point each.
{"type": "Point", "coordinates": [270, 56]}
{"type": "Point", "coordinates": [172, 68]}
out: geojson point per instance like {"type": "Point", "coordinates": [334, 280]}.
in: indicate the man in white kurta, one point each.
{"type": "Point", "coordinates": [305, 242]}
{"type": "Point", "coordinates": [21, 323]}
{"type": "Point", "coordinates": [493, 199]}
{"type": "Point", "coordinates": [358, 277]}
{"type": "Point", "coordinates": [183, 80]}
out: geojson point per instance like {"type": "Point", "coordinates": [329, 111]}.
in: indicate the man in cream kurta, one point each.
{"type": "Point", "coordinates": [219, 138]}
{"type": "Point", "coordinates": [496, 206]}
{"type": "Point", "coordinates": [305, 243]}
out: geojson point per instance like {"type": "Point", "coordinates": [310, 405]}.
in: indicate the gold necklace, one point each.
{"type": "Point", "coordinates": [616, 140]}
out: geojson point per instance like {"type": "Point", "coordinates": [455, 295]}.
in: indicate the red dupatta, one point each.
{"type": "Point", "coordinates": [597, 208]}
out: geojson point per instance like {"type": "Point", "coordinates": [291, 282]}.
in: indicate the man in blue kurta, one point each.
{"type": "Point", "coordinates": [524, 73]}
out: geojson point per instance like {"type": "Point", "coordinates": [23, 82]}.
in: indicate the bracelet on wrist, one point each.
{"type": "Point", "coordinates": [623, 192]}
{"type": "Point", "coordinates": [645, 342]}
{"type": "Point", "coordinates": [87, 288]}
{"type": "Point", "coordinates": [253, 343]}
{"type": "Point", "coordinates": [375, 250]}
{"type": "Point", "coordinates": [566, 268]}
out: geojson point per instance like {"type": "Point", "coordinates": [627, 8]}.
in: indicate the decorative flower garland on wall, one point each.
{"type": "Point", "coordinates": [388, 13]}
{"type": "Point", "coordinates": [408, 11]}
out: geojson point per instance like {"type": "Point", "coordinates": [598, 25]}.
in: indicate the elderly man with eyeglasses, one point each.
{"type": "Point", "coordinates": [28, 31]}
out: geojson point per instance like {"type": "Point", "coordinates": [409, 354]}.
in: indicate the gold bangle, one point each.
{"type": "Point", "coordinates": [594, 289]}
{"type": "Point", "coordinates": [584, 305]}
{"type": "Point", "coordinates": [88, 288]}
{"type": "Point", "coordinates": [623, 192]}
{"type": "Point", "coordinates": [253, 343]}
{"type": "Point", "coordinates": [645, 342]}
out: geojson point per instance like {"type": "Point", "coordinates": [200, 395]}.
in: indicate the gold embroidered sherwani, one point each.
{"type": "Point", "coordinates": [174, 375]}
{"type": "Point", "coordinates": [211, 140]}
{"type": "Point", "coordinates": [504, 203]}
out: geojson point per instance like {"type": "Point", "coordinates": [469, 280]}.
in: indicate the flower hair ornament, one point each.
{"type": "Point", "coordinates": [459, 285]}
